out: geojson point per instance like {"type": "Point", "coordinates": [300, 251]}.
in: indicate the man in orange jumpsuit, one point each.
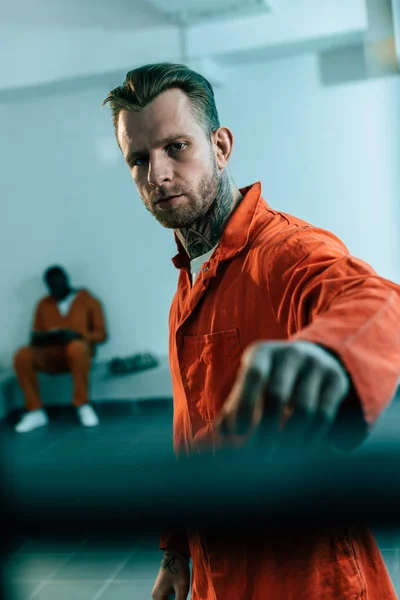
{"type": "Point", "coordinates": [67, 327]}
{"type": "Point", "coordinates": [273, 323]}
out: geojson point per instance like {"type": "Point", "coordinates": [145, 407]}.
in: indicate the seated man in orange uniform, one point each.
{"type": "Point", "coordinates": [67, 327]}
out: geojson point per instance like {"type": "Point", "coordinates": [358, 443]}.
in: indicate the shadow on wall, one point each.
{"type": "Point", "coordinates": [28, 294]}
{"type": "Point", "coordinates": [341, 66]}
{"type": "Point", "coordinates": [107, 81]}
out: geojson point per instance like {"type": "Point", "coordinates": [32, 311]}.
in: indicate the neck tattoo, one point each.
{"type": "Point", "coordinates": [204, 234]}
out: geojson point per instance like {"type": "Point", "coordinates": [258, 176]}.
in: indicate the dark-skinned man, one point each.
{"type": "Point", "coordinates": [68, 326]}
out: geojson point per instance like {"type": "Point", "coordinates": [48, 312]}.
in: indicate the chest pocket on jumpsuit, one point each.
{"type": "Point", "coordinates": [209, 368]}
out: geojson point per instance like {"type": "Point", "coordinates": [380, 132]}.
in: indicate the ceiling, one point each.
{"type": "Point", "coordinates": [104, 14]}
{"type": "Point", "coordinates": [45, 42]}
{"type": "Point", "coordinates": [132, 14]}
{"type": "Point", "coordinates": [192, 12]}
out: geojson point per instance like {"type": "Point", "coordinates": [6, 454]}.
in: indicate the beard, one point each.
{"type": "Point", "coordinates": [197, 201]}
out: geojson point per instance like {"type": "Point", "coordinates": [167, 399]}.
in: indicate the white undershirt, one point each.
{"type": "Point", "coordinates": [65, 305]}
{"type": "Point", "coordinates": [197, 263]}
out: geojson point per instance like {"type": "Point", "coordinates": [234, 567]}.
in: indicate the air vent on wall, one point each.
{"type": "Point", "coordinates": [190, 12]}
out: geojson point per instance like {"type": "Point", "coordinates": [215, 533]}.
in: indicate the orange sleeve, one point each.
{"type": "Point", "coordinates": [97, 329]}
{"type": "Point", "coordinates": [176, 540]}
{"type": "Point", "coordinates": [320, 293]}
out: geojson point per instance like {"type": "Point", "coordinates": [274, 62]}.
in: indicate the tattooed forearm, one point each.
{"type": "Point", "coordinates": [168, 563]}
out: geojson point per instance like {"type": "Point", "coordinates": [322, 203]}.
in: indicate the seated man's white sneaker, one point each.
{"type": "Point", "coordinates": [32, 420]}
{"type": "Point", "coordinates": [87, 416]}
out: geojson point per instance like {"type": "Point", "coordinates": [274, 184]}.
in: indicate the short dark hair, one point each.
{"type": "Point", "coordinates": [54, 270]}
{"type": "Point", "coordinates": [144, 84]}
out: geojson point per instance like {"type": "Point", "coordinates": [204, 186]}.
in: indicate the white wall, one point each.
{"type": "Point", "coordinates": [329, 155]}
{"type": "Point", "coordinates": [64, 204]}
{"type": "Point", "coordinates": [326, 154]}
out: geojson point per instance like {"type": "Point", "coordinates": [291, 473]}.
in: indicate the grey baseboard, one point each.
{"type": "Point", "coordinates": [105, 408]}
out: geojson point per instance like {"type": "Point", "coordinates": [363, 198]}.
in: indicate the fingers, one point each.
{"type": "Point", "coordinates": [299, 384]}
{"type": "Point", "coordinates": [240, 408]}
{"type": "Point", "coordinates": [333, 390]}
{"type": "Point", "coordinates": [316, 399]}
{"type": "Point", "coordinates": [304, 400]}
{"type": "Point", "coordinates": [277, 392]}
{"type": "Point", "coordinates": [181, 593]}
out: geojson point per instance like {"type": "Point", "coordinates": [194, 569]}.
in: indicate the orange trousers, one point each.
{"type": "Point", "coordinates": [74, 358]}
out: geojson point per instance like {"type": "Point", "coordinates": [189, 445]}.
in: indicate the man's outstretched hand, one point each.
{"type": "Point", "coordinates": [298, 384]}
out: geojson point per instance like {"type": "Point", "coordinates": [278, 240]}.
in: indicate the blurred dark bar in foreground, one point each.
{"type": "Point", "coordinates": [235, 487]}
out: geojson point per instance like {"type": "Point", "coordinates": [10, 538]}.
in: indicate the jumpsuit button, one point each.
{"type": "Point", "coordinates": [206, 269]}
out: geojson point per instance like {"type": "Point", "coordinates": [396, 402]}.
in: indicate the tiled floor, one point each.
{"type": "Point", "coordinates": [90, 566]}
{"type": "Point", "coordinates": [91, 572]}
